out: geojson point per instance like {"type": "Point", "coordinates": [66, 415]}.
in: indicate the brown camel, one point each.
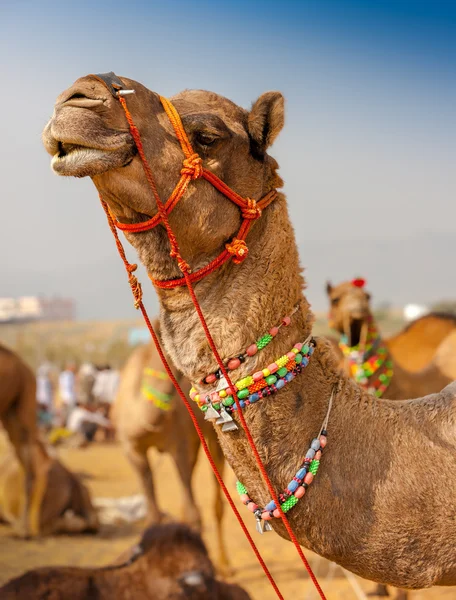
{"type": "Point", "coordinates": [351, 316]}
{"type": "Point", "coordinates": [169, 563]}
{"type": "Point", "coordinates": [147, 414]}
{"type": "Point", "coordinates": [18, 411]}
{"type": "Point", "coordinates": [415, 346]}
{"type": "Point", "coordinates": [66, 506]}
{"type": "Point", "coordinates": [383, 504]}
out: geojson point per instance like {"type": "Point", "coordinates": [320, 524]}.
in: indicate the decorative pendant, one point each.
{"type": "Point", "coordinates": [211, 413]}
{"type": "Point", "coordinates": [224, 417]}
{"type": "Point", "coordinates": [231, 426]}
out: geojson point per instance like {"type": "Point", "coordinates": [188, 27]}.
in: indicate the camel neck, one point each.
{"type": "Point", "coordinates": [241, 302]}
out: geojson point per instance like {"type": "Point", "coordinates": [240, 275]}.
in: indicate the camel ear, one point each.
{"type": "Point", "coordinates": [329, 288]}
{"type": "Point", "coordinates": [266, 119]}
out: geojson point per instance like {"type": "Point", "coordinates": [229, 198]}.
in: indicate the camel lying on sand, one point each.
{"type": "Point", "coordinates": [169, 563]}
{"type": "Point", "coordinates": [65, 507]}
{"type": "Point", "coordinates": [18, 413]}
{"type": "Point", "coordinates": [383, 502]}
{"type": "Point", "coordinates": [148, 413]}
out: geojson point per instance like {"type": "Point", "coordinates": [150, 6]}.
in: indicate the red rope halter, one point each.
{"type": "Point", "coordinates": [237, 249]}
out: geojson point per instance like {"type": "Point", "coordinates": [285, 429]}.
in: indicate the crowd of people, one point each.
{"type": "Point", "coordinates": [76, 401]}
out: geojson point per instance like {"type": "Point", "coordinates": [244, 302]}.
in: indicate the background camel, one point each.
{"type": "Point", "coordinates": [351, 315]}
{"type": "Point", "coordinates": [388, 474]}
{"type": "Point", "coordinates": [169, 563]}
{"type": "Point", "coordinates": [65, 507]}
{"type": "Point", "coordinates": [18, 414]}
{"type": "Point", "coordinates": [148, 413]}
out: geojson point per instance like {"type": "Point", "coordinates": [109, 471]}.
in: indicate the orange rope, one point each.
{"type": "Point", "coordinates": [251, 210]}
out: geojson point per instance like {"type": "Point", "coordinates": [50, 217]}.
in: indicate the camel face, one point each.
{"type": "Point", "coordinates": [88, 135]}
{"type": "Point", "coordinates": [349, 309]}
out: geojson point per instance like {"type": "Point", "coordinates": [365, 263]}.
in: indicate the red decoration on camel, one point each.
{"type": "Point", "coordinates": [359, 282]}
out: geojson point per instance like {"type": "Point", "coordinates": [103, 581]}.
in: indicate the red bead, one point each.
{"type": "Point", "coordinates": [286, 321]}
{"type": "Point", "coordinates": [252, 350]}
{"type": "Point", "coordinates": [308, 478]}
{"type": "Point", "coordinates": [299, 493]}
{"type": "Point", "coordinates": [276, 513]}
{"type": "Point", "coordinates": [318, 455]}
{"type": "Point", "coordinates": [258, 376]}
{"type": "Point", "coordinates": [210, 378]}
{"type": "Point", "coordinates": [266, 516]}
{"type": "Point", "coordinates": [274, 331]}
{"type": "Point", "coordinates": [233, 363]}
{"type": "Point", "coordinates": [244, 498]}
{"type": "Point", "coordinates": [252, 506]}
{"type": "Point", "coordinates": [323, 441]}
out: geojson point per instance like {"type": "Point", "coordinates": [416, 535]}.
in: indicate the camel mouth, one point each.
{"type": "Point", "coordinates": [76, 160]}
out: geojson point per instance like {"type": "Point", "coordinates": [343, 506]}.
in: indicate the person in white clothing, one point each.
{"type": "Point", "coordinates": [86, 421]}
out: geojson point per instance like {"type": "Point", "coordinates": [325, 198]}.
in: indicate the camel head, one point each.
{"type": "Point", "coordinates": [349, 308]}
{"type": "Point", "coordinates": [88, 135]}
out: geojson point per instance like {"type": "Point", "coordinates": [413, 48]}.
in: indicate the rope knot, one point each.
{"type": "Point", "coordinates": [183, 265]}
{"type": "Point", "coordinates": [238, 248]}
{"type": "Point", "coordinates": [252, 210]}
{"type": "Point", "coordinates": [135, 285]}
{"type": "Point", "coordinates": [192, 166]}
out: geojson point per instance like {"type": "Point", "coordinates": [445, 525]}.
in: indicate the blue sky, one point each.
{"type": "Point", "coordinates": [370, 131]}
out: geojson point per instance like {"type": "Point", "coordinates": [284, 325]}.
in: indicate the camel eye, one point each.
{"type": "Point", "coordinates": [205, 138]}
{"type": "Point", "coordinates": [335, 301]}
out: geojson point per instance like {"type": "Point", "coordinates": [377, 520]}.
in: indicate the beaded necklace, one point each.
{"type": "Point", "coordinates": [252, 388]}
{"type": "Point", "coordinates": [161, 400]}
{"type": "Point", "coordinates": [235, 362]}
{"type": "Point", "coordinates": [296, 488]}
{"type": "Point", "coordinates": [374, 360]}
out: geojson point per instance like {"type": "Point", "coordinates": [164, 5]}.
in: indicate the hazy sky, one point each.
{"type": "Point", "coordinates": [368, 152]}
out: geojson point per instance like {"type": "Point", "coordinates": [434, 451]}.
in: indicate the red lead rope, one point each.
{"type": "Point", "coordinates": [175, 252]}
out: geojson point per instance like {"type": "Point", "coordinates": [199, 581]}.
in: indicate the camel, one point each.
{"type": "Point", "coordinates": [65, 507]}
{"type": "Point", "coordinates": [351, 315]}
{"type": "Point", "coordinates": [414, 347]}
{"type": "Point", "coordinates": [18, 412]}
{"type": "Point", "coordinates": [169, 563]}
{"type": "Point", "coordinates": [147, 413]}
{"type": "Point", "coordinates": [383, 504]}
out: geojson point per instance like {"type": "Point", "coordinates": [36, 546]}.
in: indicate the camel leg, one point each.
{"type": "Point", "coordinates": [35, 477]}
{"type": "Point", "coordinates": [139, 462]}
{"type": "Point", "coordinates": [219, 506]}
{"type": "Point", "coordinates": [185, 458]}
{"type": "Point", "coordinates": [381, 591]}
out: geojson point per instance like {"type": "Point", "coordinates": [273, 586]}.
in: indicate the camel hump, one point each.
{"type": "Point", "coordinates": [445, 356]}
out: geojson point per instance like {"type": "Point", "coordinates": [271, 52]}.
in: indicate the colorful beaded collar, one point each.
{"type": "Point", "coordinates": [161, 400]}
{"type": "Point", "coordinates": [296, 488]}
{"type": "Point", "coordinates": [220, 403]}
{"type": "Point", "coordinates": [235, 362]}
{"type": "Point", "coordinates": [372, 368]}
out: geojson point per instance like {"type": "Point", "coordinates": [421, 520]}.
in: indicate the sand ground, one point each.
{"type": "Point", "coordinates": [107, 473]}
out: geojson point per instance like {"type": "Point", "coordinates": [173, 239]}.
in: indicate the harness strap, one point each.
{"type": "Point", "coordinates": [192, 168]}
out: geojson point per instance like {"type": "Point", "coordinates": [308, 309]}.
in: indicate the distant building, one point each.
{"type": "Point", "coordinates": [33, 308]}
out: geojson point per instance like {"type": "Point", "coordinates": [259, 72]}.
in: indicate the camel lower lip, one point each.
{"type": "Point", "coordinates": [76, 156]}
